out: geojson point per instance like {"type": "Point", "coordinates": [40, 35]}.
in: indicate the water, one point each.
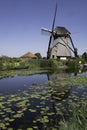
{"type": "Point", "coordinates": [13, 84]}
{"type": "Point", "coordinates": [29, 102]}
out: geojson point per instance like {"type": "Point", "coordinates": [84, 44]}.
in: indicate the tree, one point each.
{"type": "Point", "coordinates": [84, 55]}
{"type": "Point", "coordinates": [38, 55]}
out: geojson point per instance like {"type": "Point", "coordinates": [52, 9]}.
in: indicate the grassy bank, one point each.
{"type": "Point", "coordinates": [7, 63]}
{"type": "Point", "coordinates": [12, 66]}
{"type": "Point", "coordinates": [77, 122]}
{"type": "Point", "coordinates": [11, 63]}
{"type": "Point", "coordinates": [9, 66]}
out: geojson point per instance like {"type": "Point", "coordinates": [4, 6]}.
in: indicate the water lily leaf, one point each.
{"type": "Point", "coordinates": [10, 128]}
{"type": "Point", "coordinates": [44, 119]}
{"type": "Point", "coordinates": [32, 110]}
{"type": "Point", "coordinates": [29, 128]}
{"type": "Point", "coordinates": [35, 127]}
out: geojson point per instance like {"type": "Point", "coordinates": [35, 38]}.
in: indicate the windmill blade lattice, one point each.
{"type": "Point", "coordinates": [49, 50]}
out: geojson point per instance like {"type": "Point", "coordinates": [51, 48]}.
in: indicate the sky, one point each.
{"type": "Point", "coordinates": [21, 22]}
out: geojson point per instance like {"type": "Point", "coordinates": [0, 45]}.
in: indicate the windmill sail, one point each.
{"type": "Point", "coordinates": [50, 40]}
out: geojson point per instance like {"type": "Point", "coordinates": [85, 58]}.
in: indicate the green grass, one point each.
{"type": "Point", "coordinates": [7, 66]}
{"type": "Point", "coordinates": [7, 63]}
{"type": "Point", "coordinates": [10, 63]}
{"type": "Point", "coordinates": [77, 122]}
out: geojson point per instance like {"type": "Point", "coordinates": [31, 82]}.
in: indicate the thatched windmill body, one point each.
{"type": "Point", "coordinates": [62, 46]}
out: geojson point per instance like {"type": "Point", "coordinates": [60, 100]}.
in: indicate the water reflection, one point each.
{"type": "Point", "coordinates": [59, 91]}
{"type": "Point", "coordinates": [12, 84]}
{"type": "Point", "coordinates": [81, 72]}
{"type": "Point", "coordinates": [66, 74]}
{"type": "Point", "coordinates": [56, 75]}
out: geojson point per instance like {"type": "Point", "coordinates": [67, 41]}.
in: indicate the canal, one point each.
{"type": "Point", "coordinates": [39, 101]}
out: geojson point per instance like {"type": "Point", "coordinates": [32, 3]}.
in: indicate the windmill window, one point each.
{"type": "Point", "coordinates": [53, 56]}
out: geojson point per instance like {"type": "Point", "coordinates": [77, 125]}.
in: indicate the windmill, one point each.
{"type": "Point", "coordinates": [62, 42]}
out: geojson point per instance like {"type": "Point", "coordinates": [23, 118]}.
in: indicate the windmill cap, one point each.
{"type": "Point", "coordinates": [61, 30]}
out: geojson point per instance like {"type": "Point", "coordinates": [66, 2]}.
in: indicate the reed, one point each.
{"type": "Point", "coordinates": [77, 122]}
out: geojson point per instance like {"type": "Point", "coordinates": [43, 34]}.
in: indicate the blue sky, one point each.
{"type": "Point", "coordinates": [21, 22]}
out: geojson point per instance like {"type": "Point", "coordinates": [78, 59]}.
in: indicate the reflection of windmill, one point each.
{"type": "Point", "coordinates": [61, 42]}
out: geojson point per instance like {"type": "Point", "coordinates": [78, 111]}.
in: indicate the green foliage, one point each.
{"type": "Point", "coordinates": [74, 63]}
{"type": "Point", "coordinates": [57, 63]}
{"type": "Point", "coordinates": [84, 55]}
{"type": "Point", "coordinates": [1, 65]}
{"type": "Point", "coordinates": [38, 55]}
{"type": "Point", "coordinates": [45, 63]}
{"type": "Point", "coordinates": [51, 63]}
{"type": "Point", "coordinates": [7, 63]}
{"type": "Point", "coordinates": [77, 122]}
